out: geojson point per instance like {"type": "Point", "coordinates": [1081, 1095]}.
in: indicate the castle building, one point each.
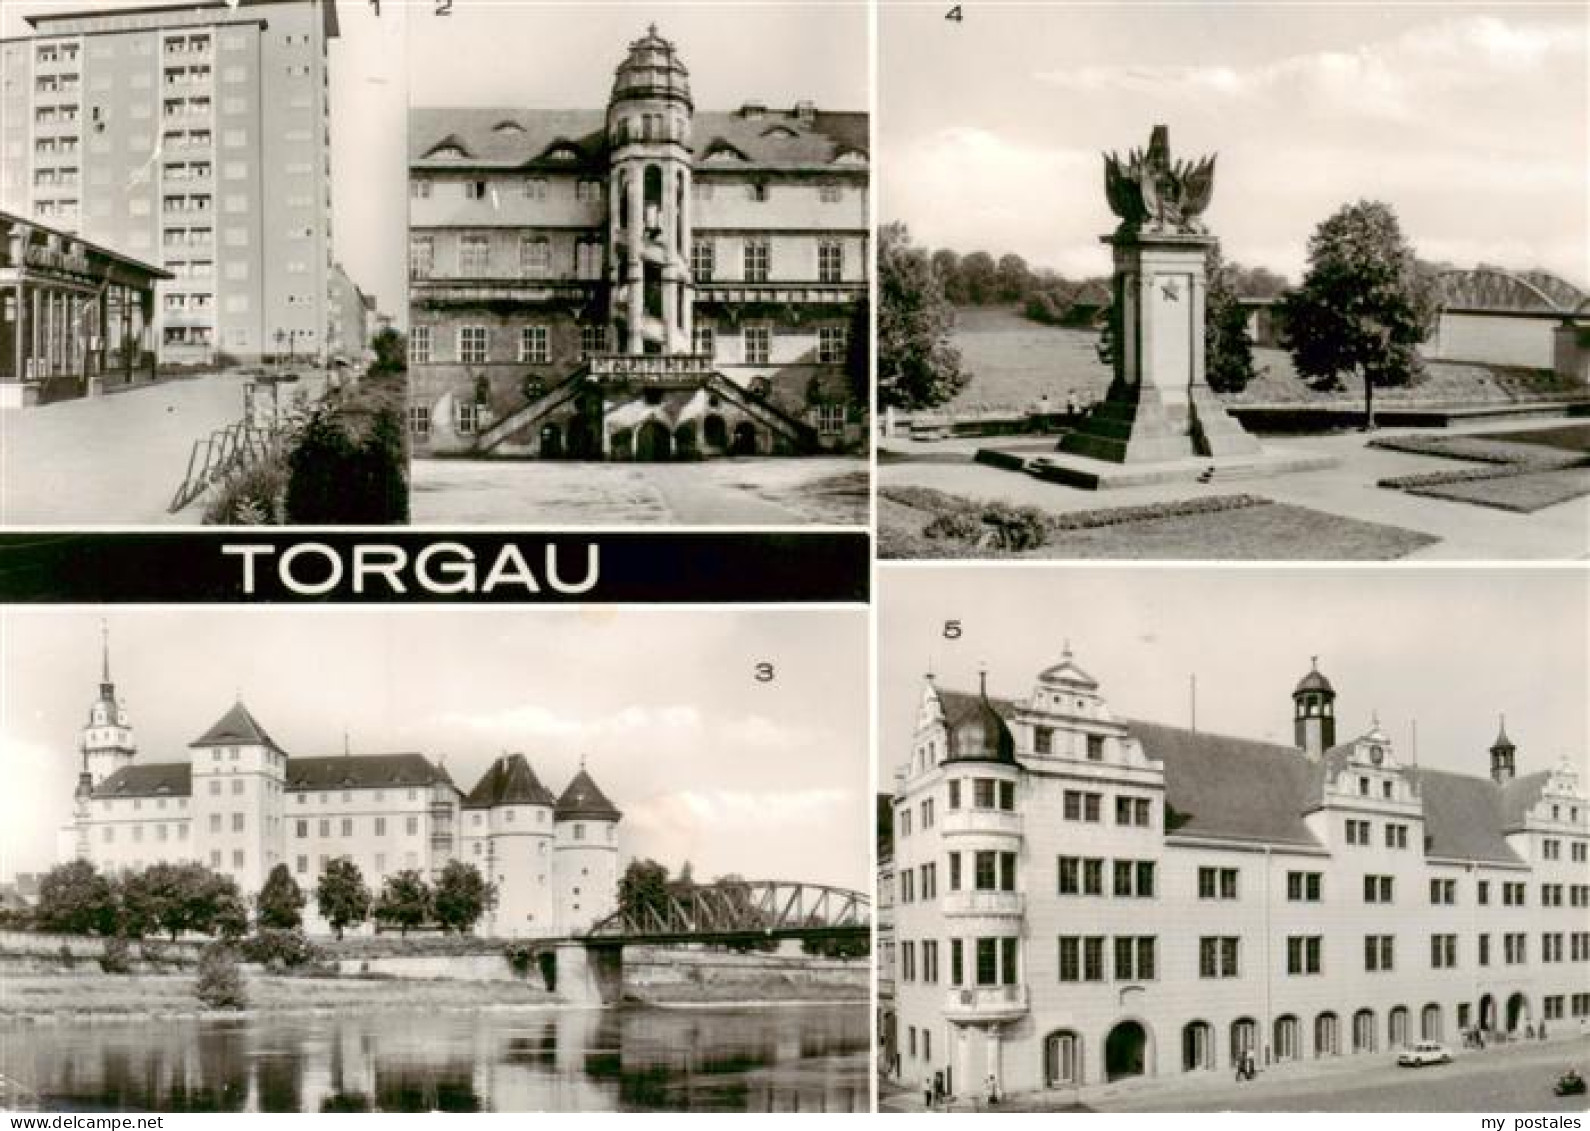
{"type": "Point", "coordinates": [645, 281]}
{"type": "Point", "coordinates": [195, 137]}
{"type": "Point", "coordinates": [240, 804]}
{"type": "Point", "coordinates": [1082, 898]}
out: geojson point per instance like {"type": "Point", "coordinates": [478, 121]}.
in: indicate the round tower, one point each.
{"type": "Point", "coordinates": [107, 738]}
{"type": "Point", "coordinates": [1502, 751]}
{"type": "Point", "coordinates": [648, 135]}
{"type": "Point", "coordinates": [585, 859]}
{"type": "Point", "coordinates": [1314, 712]}
{"type": "Point", "coordinates": [517, 845]}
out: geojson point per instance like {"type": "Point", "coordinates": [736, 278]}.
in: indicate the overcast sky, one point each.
{"type": "Point", "coordinates": [1450, 648]}
{"type": "Point", "coordinates": [1470, 120]}
{"type": "Point", "coordinates": [563, 56]}
{"type": "Point", "coordinates": [369, 154]}
{"type": "Point", "coordinates": [768, 780]}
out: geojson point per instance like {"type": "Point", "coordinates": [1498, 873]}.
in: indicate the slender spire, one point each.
{"type": "Point", "coordinates": [104, 633]}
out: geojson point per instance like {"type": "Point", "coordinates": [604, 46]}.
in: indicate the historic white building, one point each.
{"type": "Point", "coordinates": [241, 805]}
{"type": "Point", "coordinates": [1081, 898]}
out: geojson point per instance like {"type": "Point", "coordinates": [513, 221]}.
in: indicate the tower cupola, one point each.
{"type": "Point", "coordinates": [1314, 712]}
{"type": "Point", "coordinates": [1502, 751]}
{"type": "Point", "coordinates": [107, 738]}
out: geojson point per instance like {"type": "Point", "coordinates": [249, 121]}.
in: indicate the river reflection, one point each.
{"type": "Point", "coordinates": [794, 1058]}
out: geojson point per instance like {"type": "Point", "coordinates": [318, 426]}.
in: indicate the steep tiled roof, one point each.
{"type": "Point", "coordinates": [1217, 785]}
{"type": "Point", "coordinates": [1520, 795]}
{"type": "Point", "coordinates": [584, 801]}
{"type": "Point", "coordinates": [364, 771]}
{"type": "Point", "coordinates": [514, 138]}
{"type": "Point", "coordinates": [149, 779]}
{"type": "Point", "coordinates": [1463, 816]}
{"type": "Point", "coordinates": [996, 745]}
{"type": "Point", "coordinates": [509, 781]}
{"type": "Point", "coordinates": [236, 728]}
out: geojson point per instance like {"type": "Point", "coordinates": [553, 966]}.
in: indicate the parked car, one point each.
{"type": "Point", "coordinates": [1425, 1052]}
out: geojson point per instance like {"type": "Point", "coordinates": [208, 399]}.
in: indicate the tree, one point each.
{"type": "Point", "coordinates": [173, 898]}
{"type": "Point", "coordinates": [74, 899]}
{"type": "Point", "coordinates": [1362, 306]}
{"type": "Point", "coordinates": [643, 890]}
{"type": "Point", "coordinates": [405, 901]}
{"type": "Point", "coordinates": [979, 278]}
{"type": "Point", "coordinates": [918, 367]}
{"type": "Point", "coordinates": [318, 470]}
{"type": "Point", "coordinates": [281, 901]}
{"type": "Point", "coordinates": [391, 353]}
{"type": "Point", "coordinates": [1228, 348]}
{"type": "Point", "coordinates": [341, 896]}
{"type": "Point", "coordinates": [462, 896]}
{"type": "Point", "coordinates": [947, 268]}
{"type": "Point", "coordinates": [1012, 278]}
{"type": "Point", "coordinates": [220, 983]}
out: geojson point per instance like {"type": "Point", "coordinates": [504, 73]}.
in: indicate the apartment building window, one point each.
{"type": "Point", "coordinates": [474, 190]}
{"type": "Point", "coordinates": [908, 961]}
{"type": "Point", "coordinates": [703, 259]}
{"type": "Point", "coordinates": [419, 345]}
{"type": "Point", "coordinates": [1081, 958]}
{"type": "Point", "coordinates": [302, 829]}
{"type": "Point", "coordinates": [757, 260]}
{"type": "Point", "coordinates": [412, 827]}
{"type": "Point", "coordinates": [533, 345]}
{"type": "Point", "coordinates": [535, 188]}
{"type": "Point", "coordinates": [1551, 946]}
{"type": "Point", "coordinates": [301, 864]}
{"type": "Point", "coordinates": [1303, 887]}
{"type": "Point", "coordinates": [1443, 952]}
{"type": "Point", "coordinates": [1217, 956]}
{"type": "Point", "coordinates": [1443, 891]}
{"type": "Point", "coordinates": [472, 345]}
{"type": "Point", "coordinates": [704, 340]}
{"type": "Point", "coordinates": [1378, 889]}
{"type": "Point", "coordinates": [1551, 895]}
{"type": "Point", "coordinates": [1132, 811]}
{"type": "Point", "coordinates": [1303, 954]}
{"type": "Point", "coordinates": [325, 825]}
{"type": "Point", "coordinates": [535, 256]}
{"type": "Point", "coordinates": [422, 256]}
{"type": "Point", "coordinates": [1483, 893]}
{"type": "Point", "coordinates": [927, 813]}
{"type": "Point", "coordinates": [929, 874]}
{"type": "Point", "coordinates": [907, 880]}
{"type": "Point", "coordinates": [1134, 878]}
{"type": "Point", "coordinates": [593, 338]}
{"type": "Point", "coordinates": [1577, 851]}
{"type": "Point", "coordinates": [588, 192]}
{"type": "Point", "coordinates": [828, 193]}
{"type": "Point", "coordinates": [419, 427]}
{"type": "Point", "coordinates": [474, 255]}
{"type": "Point", "coordinates": [830, 261]}
{"type": "Point", "coordinates": [1379, 952]}
{"type": "Point", "coordinates": [930, 961]}
{"type": "Point", "coordinates": [904, 822]}
{"type": "Point", "coordinates": [1485, 950]}
{"type": "Point", "coordinates": [238, 858]}
{"type": "Point", "coordinates": [347, 826]}
{"type": "Point", "coordinates": [756, 192]}
{"type": "Point", "coordinates": [1357, 831]}
{"type": "Point", "coordinates": [420, 188]}
{"type": "Point", "coordinates": [237, 786]}
{"type": "Point", "coordinates": [1217, 883]}
{"type": "Point", "coordinates": [831, 343]}
{"type": "Point", "coordinates": [1515, 948]}
{"type": "Point", "coordinates": [588, 259]}
{"type": "Point", "coordinates": [1078, 805]}
{"type": "Point", "coordinates": [1513, 894]}
{"type": "Point", "coordinates": [1134, 958]}
{"type": "Point", "coordinates": [830, 419]}
{"type": "Point", "coordinates": [1396, 836]}
{"type": "Point", "coordinates": [758, 344]}
{"type": "Point", "coordinates": [994, 871]}
{"type": "Point", "coordinates": [238, 822]}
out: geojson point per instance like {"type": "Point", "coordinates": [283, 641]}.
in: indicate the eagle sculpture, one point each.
{"type": "Point", "coordinates": [1153, 194]}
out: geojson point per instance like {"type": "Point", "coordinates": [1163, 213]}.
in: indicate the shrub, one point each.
{"type": "Point", "coordinates": [959, 526]}
{"type": "Point", "coordinates": [279, 948]}
{"type": "Point", "coordinates": [519, 956]}
{"type": "Point", "coordinates": [220, 982]}
{"type": "Point", "coordinates": [1015, 528]}
{"type": "Point", "coordinates": [117, 956]}
{"type": "Point", "coordinates": [256, 496]}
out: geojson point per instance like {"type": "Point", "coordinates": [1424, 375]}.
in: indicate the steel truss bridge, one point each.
{"type": "Point", "coordinates": [1498, 289]}
{"type": "Point", "coordinates": [740, 911]}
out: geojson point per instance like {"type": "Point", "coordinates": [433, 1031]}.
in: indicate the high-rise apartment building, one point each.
{"type": "Point", "coordinates": [194, 136]}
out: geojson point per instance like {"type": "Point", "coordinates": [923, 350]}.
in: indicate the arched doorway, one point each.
{"type": "Point", "coordinates": [1364, 1031]}
{"type": "Point", "coordinates": [685, 441]}
{"type": "Point", "coordinates": [1197, 1046]}
{"type": "Point", "coordinates": [1062, 1059]}
{"type": "Point", "coordinates": [1488, 1013]}
{"type": "Point", "coordinates": [1126, 1051]}
{"type": "Point", "coordinates": [1244, 1040]}
{"type": "Point", "coordinates": [1430, 1023]}
{"type": "Point", "coordinates": [715, 433]}
{"type": "Point", "coordinates": [1287, 1041]}
{"type": "Point", "coordinates": [745, 440]}
{"type": "Point", "coordinates": [1327, 1035]}
{"type": "Point", "coordinates": [1397, 1027]}
{"type": "Point", "coordinates": [654, 443]}
{"type": "Point", "coordinates": [551, 442]}
{"type": "Point", "coordinates": [1517, 1012]}
{"type": "Point", "coordinates": [620, 445]}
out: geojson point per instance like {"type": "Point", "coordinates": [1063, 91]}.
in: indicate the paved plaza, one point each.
{"type": "Point", "coordinates": [115, 459]}
{"type": "Point", "coordinates": [726, 492]}
{"type": "Point", "coordinates": [1466, 532]}
{"type": "Point", "coordinates": [1512, 1077]}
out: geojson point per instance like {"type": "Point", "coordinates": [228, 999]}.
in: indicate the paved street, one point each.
{"type": "Point", "coordinates": [1508, 1078]}
{"type": "Point", "coordinates": [1466, 532]}
{"type": "Point", "coordinates": [727, 492]}
{"type": "Point", "coordinates": [111, 460]}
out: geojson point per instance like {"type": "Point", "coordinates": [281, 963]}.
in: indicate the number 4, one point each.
{"type": "Point", "coordinates": [954, 15]}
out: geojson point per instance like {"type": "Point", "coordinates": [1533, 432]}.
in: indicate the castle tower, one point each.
{"type": "Point", "coordinates": [648, 133]}
{"type": "Point", "coordinates": [585, 859]}
{"type": "Point", "coordinates": [1314, 713]}
{"type": "Point", "coordinates": [1502, 751]}
{"type": "Point", "coordinates": [239, 787]}
{"type": "Point", "coordinates": [107, 739]}
{"type": "Point", "coordinates": [518, 855]}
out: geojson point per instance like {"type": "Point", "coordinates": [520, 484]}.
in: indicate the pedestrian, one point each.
{"type": "Point", "coordinates": [927, 1092]}
{"type": "Point", "coordinates": [1541, 1032]}
{"type": "Point", "coordinates": [940, 1092]}
{"type": "Point", "coordinates": [991, 1089]}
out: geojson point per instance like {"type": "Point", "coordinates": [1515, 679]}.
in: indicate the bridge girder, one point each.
{"type": "Point", "coordinates": [742, 910]}
{"type": "Point", "coordinates": [1496, 288]}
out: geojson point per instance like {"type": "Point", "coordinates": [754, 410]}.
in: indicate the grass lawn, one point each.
{"type": "Point", "coordinates": [1277, 531]}
{"type": "Point", "coordinates": [1569, 438]}
{"type": "Point", "coordinates": [1522, 493]}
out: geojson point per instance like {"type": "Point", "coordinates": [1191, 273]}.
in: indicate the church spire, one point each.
{"type": "Point", "coordinates": [107, 689]}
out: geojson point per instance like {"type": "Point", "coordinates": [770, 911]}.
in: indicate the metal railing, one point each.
{"type": "Point", "coordinates": [233, 448]}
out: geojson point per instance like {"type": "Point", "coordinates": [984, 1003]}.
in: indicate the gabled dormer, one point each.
{"type": "Point", "coordinates": [1367, 772]}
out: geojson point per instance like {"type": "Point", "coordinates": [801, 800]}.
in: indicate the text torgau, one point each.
{"type": "Point", "coordinates": [314, 569]}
